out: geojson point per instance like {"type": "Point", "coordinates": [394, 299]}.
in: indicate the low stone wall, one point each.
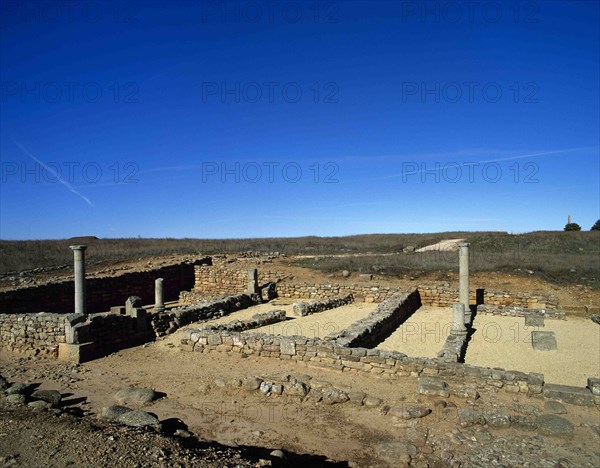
{"type": "Point", "coordinates": [224, 278]}
{"type": "Point", "coordinates": [231, 277]}
{"type": "Point", "coordinates": [301, 309]}
{"type": "Point", "coordinates": [360, 293]}
{"type": "Point", "coordinates": [102, 293]}
{"type": "Point", "coordinates": [512, 311]}
{"type": "Point", "coordinates": [380, 323]}
{"type": "Point", "coordinates": [257, 321]}
{"type": "Point", "coordinates": [325, 354]}
{"type": "Point", "coordinates": [445, 297]}
{"type": "Point", "coordinates": [112, 332]}
{"type": "Point", "coordinates": [167, 322]}
{"type": "Point", "coordinates": [44, 334]}
{"type": "Point", "coordinates": [32, 334]}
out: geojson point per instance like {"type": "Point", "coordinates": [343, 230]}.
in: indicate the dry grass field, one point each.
{"type": "Point", "coordinates": [557, 256]}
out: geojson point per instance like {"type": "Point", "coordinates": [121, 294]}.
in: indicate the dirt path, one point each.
{"type": "Point", "coordinates": [200, 391]}
{"type": "Point", "coordinates": [447, 245]}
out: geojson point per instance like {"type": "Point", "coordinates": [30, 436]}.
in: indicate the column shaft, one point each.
{"type": "Point", "coordinates": [159, 302]}
{"type": "Point", "coordinates": [79, 274]}
{"type": "Point", "coordinates": [463, 274]}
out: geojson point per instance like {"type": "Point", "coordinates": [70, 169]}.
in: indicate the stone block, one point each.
{"type": "Point", "coordinates": [214, 340]}
{"type": "Point", "coordinates": [78, 333]}
{"type": "Point", "coordinates": [131, 303]}
{"type": "Point", "coordinates": [432, 386]}
{"type": "Point", "coordinates": [534, 321]}
{"type": "Point", "coordinates": [298, 310]}
{"type": "Point", "coordinates": [535, 378]}
{"type": "Point", "coordinates": [543, 341]}
{"type": "Point", "coordinates": [593, 383]}
{"type": "Point", "coordinates": [465, 392]}
{"type": "Point", "coordinates": [77, 353]}
{"type": "Point", "coordinates": [574, 395]}
{"type": "Point", "coordinates": [287, 346]}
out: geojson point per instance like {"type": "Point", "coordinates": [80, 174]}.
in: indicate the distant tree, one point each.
{"type": "Point", "coordinates": [572, 227]}
{"type": "Point", "coordinates": [596, 226]}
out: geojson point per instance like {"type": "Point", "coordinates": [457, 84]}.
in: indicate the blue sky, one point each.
{"type": "Point", "coordinates": [182, 119]}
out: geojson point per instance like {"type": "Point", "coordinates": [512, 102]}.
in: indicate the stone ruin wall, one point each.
{"type": "Point", "coordinates": [25, 332]}
{"type": "Point", "coordinates": [323, 354]}
{"type": "Point", "coordinates": [32, 334]}
{"type": "Point", "coordinates": [225, 279]}
{"type": "Point", "coordinates": [346, 352]}
{"type": "Point", "coordinates": [445, 297]}
{"type": "Point", "coordinates": [103, 293]}
{"type": "Point", "coordinates": [41, 333]}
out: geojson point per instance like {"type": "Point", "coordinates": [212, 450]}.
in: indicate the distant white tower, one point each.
{"type": "Point", "coordinates": [569, 220]}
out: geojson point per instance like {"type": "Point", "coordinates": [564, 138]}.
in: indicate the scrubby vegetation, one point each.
{"type": "Point", "coordinates": [556, 255]}
{"type": "Point", "coordinates": [560, 257]}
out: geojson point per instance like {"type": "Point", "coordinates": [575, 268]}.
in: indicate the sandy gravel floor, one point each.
{"type": "Point", "coordinates": [423, 334]}
{"type": "Point", "coordinates": [321, 324]}
{"type": "Point", "coordinates": [505, 342]}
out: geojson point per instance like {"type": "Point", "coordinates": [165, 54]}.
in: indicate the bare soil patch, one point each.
{"type": "Point", "coordinates": [199, 394]}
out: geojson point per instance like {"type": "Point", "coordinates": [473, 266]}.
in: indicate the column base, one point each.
{"type": "Point", "coordinates": [76, 353]}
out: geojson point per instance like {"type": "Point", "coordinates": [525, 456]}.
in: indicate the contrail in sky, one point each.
{"type": "Point", "coordinates": [55, 174]}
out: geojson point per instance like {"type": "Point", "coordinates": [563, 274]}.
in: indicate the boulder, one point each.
{"type": "Point", "coordinates": [49, 396]}
{"type": "Point", "coordinates": [372, 402]}
{"type": "Point", "coordinates": [16, 399]}
{"type": "Point", "coordinates": [138, 418]}
{"type": "Point", "coordinates": [113, 412]}
{"type": "Point", "coordinates": [135, 396]}
{"type": "Point", "coordinates": [39, 405]}
{"type": "Point", "coordinates": [265, 387]}
{"type": "Point", "coordinates": [356, 397]}
{"type": "Point", "coordinates": [395, 453]}
{"type": "Point", "coordinates": [332, 396]}
{"type": "Point", "coordinates": [415, 412]}
{"type": "Point", "coordinates": [17, 388]}
{"type": "Point", "coordinates": [296, 388]}
{"type": "Point", "coordinates": [555, 407]}
{"type": "Point", "coordinates": [550, 424]}
{"type": "Point", "coordinates": [470, 417]}
{"type": "Point", "coordinates": [251, 383]}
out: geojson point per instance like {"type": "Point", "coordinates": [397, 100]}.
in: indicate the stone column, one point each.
{"type": "Point", "coordinates": [463, 274]}
{"type": "Point", "coordinates": [159, 302]}
{"type": "Point", "coordinates": [458, 320]}
{"type": "Point", "coordinates": [79, 267]}
{"type": "Point", "coordinates": [253, 281]}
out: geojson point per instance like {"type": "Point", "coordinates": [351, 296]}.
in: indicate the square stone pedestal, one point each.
{"type": "Point", "coordinates": [76, 353]}
{"type": "Point", "coordinates": [543, 341]}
